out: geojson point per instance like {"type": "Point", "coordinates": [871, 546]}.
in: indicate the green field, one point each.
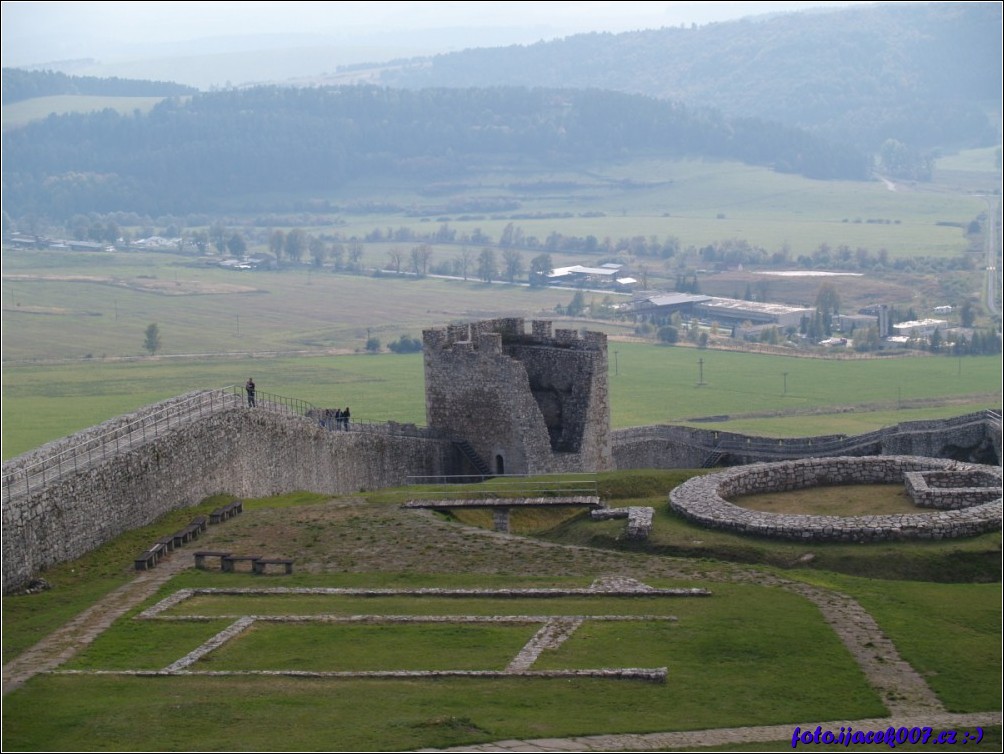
{"type": "Point", "coordinates": [73, 336]}
{"type": "Point", "coordinates": [698, 202]}
{"type": "Point", "coordinates": [18, 114]}
{"type": "Point", "coordinates": [651, 385]}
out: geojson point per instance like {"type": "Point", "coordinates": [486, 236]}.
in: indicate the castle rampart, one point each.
{"type": "Point", "coordinates": [239, 451]}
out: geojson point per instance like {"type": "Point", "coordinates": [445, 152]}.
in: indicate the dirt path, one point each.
{"type": "Point", "coordinates": [65, 642]}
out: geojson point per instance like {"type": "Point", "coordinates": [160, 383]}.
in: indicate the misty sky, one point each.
{"type": "Point", "coordinates": [40, 32]}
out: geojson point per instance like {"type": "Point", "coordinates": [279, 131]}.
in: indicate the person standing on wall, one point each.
{"type": "Point", "coordinates": [250, 388]}
{"type": "Point", "coordinates": [345, 418]}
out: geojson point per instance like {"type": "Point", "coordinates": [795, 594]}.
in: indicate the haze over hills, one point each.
{"type": "Point", "coordinates": [811, 93]}
{"type": "Point", "coordinates": [926, 74]}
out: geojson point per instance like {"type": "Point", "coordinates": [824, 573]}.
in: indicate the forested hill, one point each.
{"type": "Point", "coordinates": [19, 85]}
{"type": "Point", "coordinates": [199, 153]}
{"type": "Point", "coordinates": [924, 74]}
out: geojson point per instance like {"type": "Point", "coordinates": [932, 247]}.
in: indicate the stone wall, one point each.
{"type": "Point", "coordinates": [528, 403]}
{"type": "Point", "coordinates": [708, 500]}
{"type": "Point", "coordinates": [971, 438]}
{"type": "Point", "coordinates": [243, 452]}
{"type": "Point", "coordinates": [951, 490]}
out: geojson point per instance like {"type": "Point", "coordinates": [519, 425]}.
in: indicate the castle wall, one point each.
{"type": "Point", "coordinates": [970, 438]}
{"type": "Point", "coordinates": [238, 451]}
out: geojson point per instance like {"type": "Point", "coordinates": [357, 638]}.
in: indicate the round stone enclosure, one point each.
{"type": "Point", "coordinates": [960, 511]}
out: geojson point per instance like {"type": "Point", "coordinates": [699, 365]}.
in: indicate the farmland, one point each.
{"type": "Point", "coordinates": [73, 323]}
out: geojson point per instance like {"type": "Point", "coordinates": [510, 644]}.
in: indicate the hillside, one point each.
{"type": "Point", "coordinates": [925, 74]}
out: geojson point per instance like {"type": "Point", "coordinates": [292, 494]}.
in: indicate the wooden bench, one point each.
{"type": "Point", "coordinates": [201, 555]}
{"type": "Point", "coordinates": [201, 522]}
{"type": "Point", "coordinates": [182, 537]}
{"type": "Point", "coordinates": [159, 550]}
{"type": "Point", "coordinates": [167, 542]}
{"type": "Point", "coordinates": [229, 562]}
{"type": "Point", "coordinates": [146, 560]}
{"type": "Point", "coordinates": [260, 565]}
{"type": "Point", "coordinates": [227, 511]}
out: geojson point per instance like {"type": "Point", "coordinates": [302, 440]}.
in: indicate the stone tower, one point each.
{"type": "Point", "coordinates": [528, 403]}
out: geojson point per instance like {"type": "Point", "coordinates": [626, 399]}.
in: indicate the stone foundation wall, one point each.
{"type": "Point", "coordinates": [951, 490]}
{"type": "Point", "coordinates": [705, 500]}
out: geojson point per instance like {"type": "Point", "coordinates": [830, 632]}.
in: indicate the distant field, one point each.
{"type": "Point", "coordinates": [986, 160]}
{"type": "Point", "coordinates": [698, 202]}
{"type": "Point", "coordinates": [22, 113]}
{"type": "Point", "coordinates": [73, 333]}
{"type": "Point", "coordinates": [73, 323]}
{"type": "Point", "coordinates": [648, 384]}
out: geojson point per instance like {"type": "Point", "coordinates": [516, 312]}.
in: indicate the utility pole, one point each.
{"type": "Point", "coordinates": [700, 372]}
{"type": "Point", "coordinates": [785, 375]}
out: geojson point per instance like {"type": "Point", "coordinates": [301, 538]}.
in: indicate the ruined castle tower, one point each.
{"type": "Point", "coordinates": [528, 403]}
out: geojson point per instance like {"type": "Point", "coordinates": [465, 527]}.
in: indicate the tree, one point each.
{"type": "Point", "coordinates": [513, 261]}
{"type": "Point", "coordinates": [967, 314]}
{"type": "Point", "coordinates": [356, 256]}
{"type": "Point", "coordinates": [405, 344]}
{"type": "Point", "coordinates": [218, 235]}
{"type": "Point", "coordinates": [236, 245]}
{"type": "Point", "coordinates": [152, 340]}
{"type": "Point", "coordinates": [540, 267]}
{"type": "Point", "coordinates": [318, 250]}
{"type": "Point", "coordinates": [296, 244]}
{"type": "Point", "coordinates": [487, 270]}
{"type": "Point", "coordinates": [827, 306]}
{"type": "Point", "coordinates": [420, 256]}
{"type": "Point", "coordinates": [936, 340]}
{"type": "Point", "coordinates": [466, 257]}
{"type": "Point", "coordinates": [577, 305]}
{"type": "Point", "coordinates": [373, 344]}
{"type": "Point", "coordinates": [395, 259]}
{"type": "Point", "coordinates": [277, 244]}
{"type": "Point", "coordinates": [669, 334]}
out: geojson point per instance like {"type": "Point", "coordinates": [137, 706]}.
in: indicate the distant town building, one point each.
{"type": "Point", "coordinates": [919, 328]}
{"type": "Point", "coordinates": [728, 311]}
{"type": "Point", "coordinates": [577, 273]}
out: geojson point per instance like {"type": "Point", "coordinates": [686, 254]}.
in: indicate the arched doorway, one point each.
{"type": "Point", "coordinates": [499, 465]}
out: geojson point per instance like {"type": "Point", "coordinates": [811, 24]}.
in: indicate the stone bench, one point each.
{"type": "Point", "coordinates": [260, 565]}
{"type": "Point", "coordinates": [201, 555]}
{"type": "Point", "coordinates": [228, 563]}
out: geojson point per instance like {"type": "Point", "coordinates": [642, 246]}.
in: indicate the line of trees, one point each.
{"type": "Point", "coordinates": [213, 150]}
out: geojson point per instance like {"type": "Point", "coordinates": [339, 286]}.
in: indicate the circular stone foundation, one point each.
{"type": "Point", "coordinates": [963, 511]}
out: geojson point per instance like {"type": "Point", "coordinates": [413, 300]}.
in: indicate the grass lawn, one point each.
{"type": "Point", "coordinates": [736, 658]}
